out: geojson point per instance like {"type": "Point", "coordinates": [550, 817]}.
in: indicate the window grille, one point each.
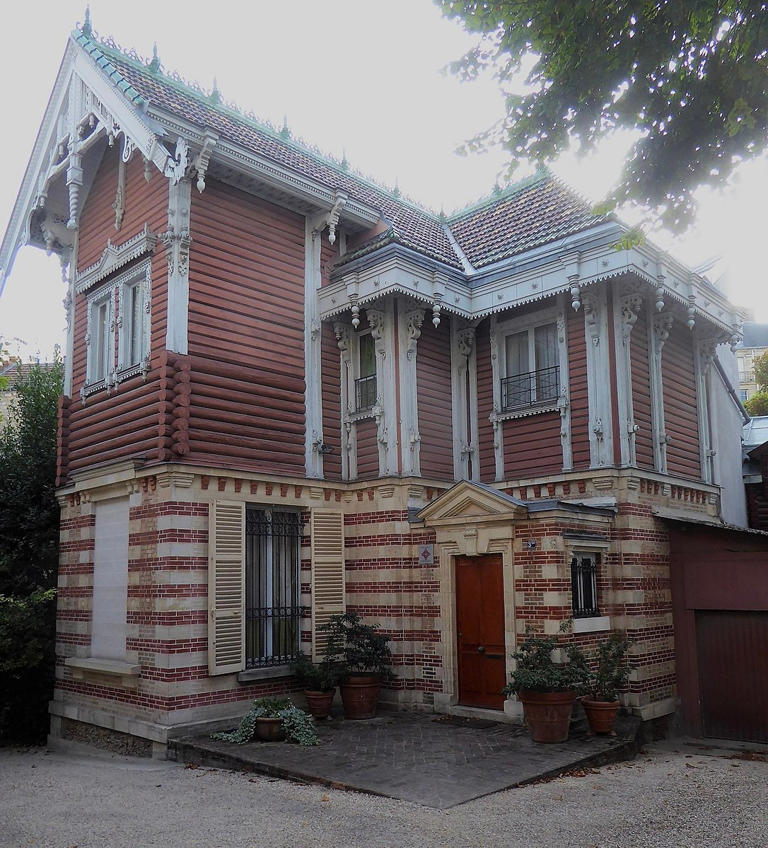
{"type": "Point", "coordinates": [272, 589]}
{"type": "Point", "coordinates": [584, 585]}
{"type": "Point", "coordinates": [532, 389]}
{"type": "Point", "coordinates": [365, 393]}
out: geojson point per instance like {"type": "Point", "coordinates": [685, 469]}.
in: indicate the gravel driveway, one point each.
{"type": "Point", "coordinates": [670, 796]}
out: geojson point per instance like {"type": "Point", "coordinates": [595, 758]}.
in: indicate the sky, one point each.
{"type": "Point", "coordinates": [361, 77]}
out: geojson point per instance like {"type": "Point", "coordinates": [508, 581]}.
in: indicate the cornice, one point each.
{"type": "Point", "coordinates": [115, 257]}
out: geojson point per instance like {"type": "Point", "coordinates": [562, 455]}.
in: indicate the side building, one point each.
{"type": "Point", "coordinates": [291, 392]}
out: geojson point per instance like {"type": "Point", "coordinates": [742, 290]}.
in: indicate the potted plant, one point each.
{"type": "Point", "coordinates": [364, 658]}
{"type": "Point", "coordinates": [609, 674]}
{"type": "Point", "coordinates": [319, 681]}
{"type": "Point", "coordinates": [273, 719]}
{"type": "Point", "coordinates": [547, 688]}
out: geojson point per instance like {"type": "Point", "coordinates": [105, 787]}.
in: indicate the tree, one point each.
{"type": "Point", "coordinates": [761, 372]}
{"type": "Point", "coordinates": [29, 527]}
{"type": "Point", "coordinates": [690, 76]}
{"type": "Point", "coordinates": [757, 404]}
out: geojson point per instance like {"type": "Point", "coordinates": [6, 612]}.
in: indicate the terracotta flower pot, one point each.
{"type": "Point", "coordinates": [548, 714]}
{"type": "Point", "coordinates": [600, 714]}
{"type": "Point", "coordinates": [269, 729]}
{"type": "Point", "coordinates": [360, 694]}
{"type": "Point", "coordinates": [319, 702]}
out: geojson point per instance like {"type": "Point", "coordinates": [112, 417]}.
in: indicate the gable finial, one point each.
{"type": "Point", "coordinates": [396, 189]}
{"type": "Point", "coordinates": [441, 217]}
{"type": "Point", "coordinates": [215, 96]}
{"type": "Point", "coordinates": [87, 29]}
{"type": "Point", "coordinates": [344, 163]}
{"type": "Point", "coordinates": [154, 65]}
{"type": "Point", "coordinates": [284, 131]}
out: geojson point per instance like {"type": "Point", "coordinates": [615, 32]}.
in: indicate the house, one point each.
{"type": "Point", "coordinates": [754, 344]}
{"type": "Point", "coordinates": [290, 391]}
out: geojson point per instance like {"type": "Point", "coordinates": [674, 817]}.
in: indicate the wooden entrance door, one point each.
{"type": "Point", "coordinates": [480, 631]}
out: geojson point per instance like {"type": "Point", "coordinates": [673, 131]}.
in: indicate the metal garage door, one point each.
{"type": "Point", "coordinates": [733, 674]}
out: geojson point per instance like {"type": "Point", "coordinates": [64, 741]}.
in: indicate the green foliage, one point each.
{"type": "Point", "coordinates": [357, 648]}
{"type": "Point", "coordinates": [298, 725]}
{"type": "Point", "coordinates": [537, 671]}
{"type": "Point", "coordinates": [29, 530]}
{"type": "Point", "coordinates": [757, 404]}
{"type": "Point", "coordinates": [27, 661]}
{"type": "Point", "coordinates": [761, 372]}
{"type": "Point", "coordinates": [611, 671]}
{"type": "Point", "coordinates": [690, 78]}
{"type": "Point", "coordinates": [318, 677]}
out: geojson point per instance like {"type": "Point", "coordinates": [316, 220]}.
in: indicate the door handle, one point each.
{"type": "Point", "coordinates": [495, 656]}
{"type": "Point", "coordinates": [480, 649]}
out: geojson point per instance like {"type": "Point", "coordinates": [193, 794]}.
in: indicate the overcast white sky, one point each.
{"type": "Point", "coordinates": [357, 75]}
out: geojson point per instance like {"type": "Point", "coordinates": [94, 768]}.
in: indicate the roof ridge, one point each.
{"type": "Point", "coordinates": [498, 194]}
{"type": "Point", "coordinates": [175, 80]}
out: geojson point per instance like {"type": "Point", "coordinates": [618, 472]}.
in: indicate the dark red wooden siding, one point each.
{"type": "Point", "coordinates": [367, 449]}
{"type": "Point", "coordinates": [579, 396]}
{"type": "Point", "coordinates": [641, 392]}
{"type": "Point", "coordinates": [532, 446]}
{"type": "Point", "coordinates": [680, 415]}
{"type": "Point", "coordinates": [433, 387]}
{"type": "Point", "coordinates": [331, 379]}
{"type": "Point", "coordinates": [485, 403]}
{"type": "Point", "coordinates": [124, 422]}
{"type": "Point", "coordinates": [246, 332]}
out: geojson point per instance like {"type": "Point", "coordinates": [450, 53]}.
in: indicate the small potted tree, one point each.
{"type": "Point", "coordinates": [364, 657]}
{"type": "Point", "coordinates": [319, 681]}
{"type": "Point", "coordinates": [547, 688]}
{"type": "Point", "coordinates": [609, 674]}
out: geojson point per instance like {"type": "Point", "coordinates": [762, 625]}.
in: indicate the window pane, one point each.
{"type": "Point", "coordinates": [367, 356]}
{"type": "Point", "coordinates": [545, 344]}
{"type": "Point", "coordinates": [102, 338]}
{"type": "Point", "coordinates": [517, 354]}
{"type": "Point", "coordinates": [136, 328]}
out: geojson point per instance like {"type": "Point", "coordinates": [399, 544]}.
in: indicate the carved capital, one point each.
{"type": "Point", "coordinates": [413, 321]}
{"type": "Point", "coordinates": [465, 340]}
{"type": "Point", "coordinates": [377, 323]}
{"type": "Point", "coordinates": [204, 157]}
{"type": "Point", "coordinates": [662, 326]}
{"type": "Point", "coordinates": [631, 305]}
{"type": "Point", "coordinates": [707, 350]}
{"type": "Point", "coordinates": [590, 302]}
{"type": "Point", "coordinates": [341, 331]}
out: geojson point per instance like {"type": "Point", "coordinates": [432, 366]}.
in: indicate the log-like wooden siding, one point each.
{"type": "Point", "coordinates": [367, 449]}
{"type": "Point", "coordinates": [331, 380]}
{"type": "Point", "coordinates": [641, 392]}
{"type": "Point", "coordinates": [578, 391]}
{"type": "Point", "coordinates": [532, 446]}
{"type": "Point", "coordinates": [680, 413]}
{"type": "Point", "coordinates": [485, 403]}
{"type": "Point", "coordinates": [246, 332]}
{"type": "Point", "coordinates": [145, 202]}
{"type": "Point", "coordinates": [122, 423]}
{"type": "Point", "coordinates": [433, 378]}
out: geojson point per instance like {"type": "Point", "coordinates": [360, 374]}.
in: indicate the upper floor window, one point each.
{"type": "Point", "coordinates": [532, 372]}
{"type": "Point", "coordinates": [118, 325]}
{"type": "Point", "coordinates": [365, 383]}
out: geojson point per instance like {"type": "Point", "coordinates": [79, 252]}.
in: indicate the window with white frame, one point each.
{"type": "Point", "coordinates": [122, 307]}
{"type": "Point", "coordinates": [100, 338]}
{"type": "Point", "coordinates": [365, 379]}
{"type": "Point", "coordinates": [584, 584]}
{"type": "Point", "coordinates": [531, 354]}
{"type": "Point", "coordinates": [272, 589]}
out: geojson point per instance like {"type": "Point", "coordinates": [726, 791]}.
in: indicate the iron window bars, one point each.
{"type": "Point", "coordinates": [584, 585]}
{"type": "Point", "coordinates": [532, 389]}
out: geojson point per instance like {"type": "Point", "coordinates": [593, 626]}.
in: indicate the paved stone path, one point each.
{"type": "Point", "coordinates": [432, 760]}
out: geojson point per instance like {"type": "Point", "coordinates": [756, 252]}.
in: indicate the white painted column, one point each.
{"type": "Point", "coordinates": [348, 426]}
{"type": "Point", "coordinates": [176, 240]}
{"type": "Point", "coordinates": [625, 311]}
{"type": "Point", "coordinates": [381, 322]}
{"type": "Point", "coordinates": [409, 331]}
{"type": "Point", "coordinates": [313, 390]}
{"type": "Point", "coordinates": [659, 327]}
{"type": "Point", "coordinates": [705, 351]}
{"type": "Point", "coordinates": [564, 402]}
{"type": "Point", "coordinates": [464, 401]}
{"type": "Point", "coordinates": [498, 432]}
{"type": "Point", "coordinates": [598, 378]}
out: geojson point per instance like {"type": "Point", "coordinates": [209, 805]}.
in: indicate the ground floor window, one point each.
{"type": "Point", "coordinates": [272, 589]}
{"type": "Point", "coordinates": [584, 585]}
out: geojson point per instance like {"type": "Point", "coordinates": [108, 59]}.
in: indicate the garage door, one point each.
{"type": "Point", "coordinates": [733, 674]}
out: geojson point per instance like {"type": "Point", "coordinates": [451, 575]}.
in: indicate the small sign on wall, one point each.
{"type": "Point", "coordinates": [426, 554]}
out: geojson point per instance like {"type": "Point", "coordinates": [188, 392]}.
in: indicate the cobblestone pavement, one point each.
{"type": "Point", "coordinates": [670, 796]}
{"type": "Point", "coordinates": [432, 760]}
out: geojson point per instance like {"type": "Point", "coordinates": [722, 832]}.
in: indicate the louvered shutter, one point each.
{"type": "Point", "coordinates": [226, 587]}
{"type": "Point", "coordinates": [327, 528]}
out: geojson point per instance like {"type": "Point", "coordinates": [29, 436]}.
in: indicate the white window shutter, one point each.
{"type": "Point", "coordinates": [226, 587]}
{"type": "Point", "coordinates": [327, 530]}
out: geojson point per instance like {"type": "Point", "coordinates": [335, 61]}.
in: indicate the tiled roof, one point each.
{"type": "Point", "coordinates": [534, 212]}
